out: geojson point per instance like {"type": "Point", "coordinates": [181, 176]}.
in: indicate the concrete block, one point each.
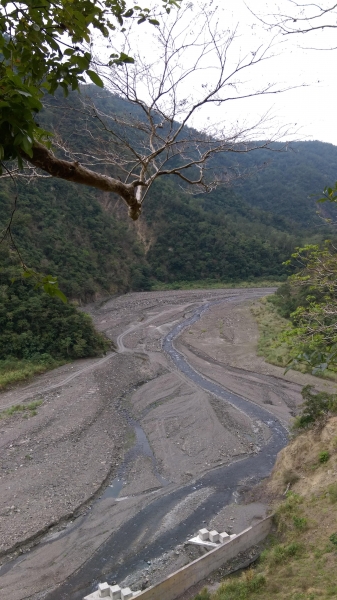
{"type": "Point", "coordinates": [203, 534]}
{"type": "Point", "coordinates": [126, 594]}
{"type": "Point", "coordinates": [231, 537]}
{"type": "Point", "coordinates": [115, 592]}
{"type": "Point", "coordinates": [104, 590]}
{"type": "Point", "coordinates": [213, 536]}
{"type": "Point", "coordinates": [224, 537]}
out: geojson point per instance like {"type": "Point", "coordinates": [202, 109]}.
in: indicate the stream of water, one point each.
{"type": "Point", "coordinates": [121, 554]}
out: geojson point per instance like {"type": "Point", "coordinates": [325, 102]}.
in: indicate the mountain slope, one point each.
{"type": "Point", "coordinates": [85, 238]}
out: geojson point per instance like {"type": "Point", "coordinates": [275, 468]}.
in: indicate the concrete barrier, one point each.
{"type": "Point", "coordinates": [176, 584]}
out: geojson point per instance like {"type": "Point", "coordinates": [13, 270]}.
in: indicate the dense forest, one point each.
{"type": "Point", "coordinates": [84, 238]}
{"type": "Point", "coordinates": [242, 232]}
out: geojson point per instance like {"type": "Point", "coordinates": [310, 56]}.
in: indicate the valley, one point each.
{"type": "Point", "coordinates": [130, 454]}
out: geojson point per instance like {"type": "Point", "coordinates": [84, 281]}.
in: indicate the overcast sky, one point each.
{"type": "Point", "coordinates": [313, 108]}
{"type": "Point", "coordinates": [309, 110]}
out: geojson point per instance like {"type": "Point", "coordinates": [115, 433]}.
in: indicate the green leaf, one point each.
{"type": "Point", "coordinates": [124, 58]}
{"type": "Point", "coordinates": [95, 78]}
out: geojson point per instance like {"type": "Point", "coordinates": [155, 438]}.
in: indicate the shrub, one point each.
{"type": "Point", "coordinates": [281, 553]}
{"type": "Point", "coordinates": [290, 477]}
{"type": "Point", "coordinates": [323, 456]}
{"type": "Point", "coordinates": [315, 406]}
{"type": "Point", "coordinates": [300, 523]}
{"type": "Point", "coordinates": [290, 504]}
{"type": "Point", "coordinates": [333, 539]}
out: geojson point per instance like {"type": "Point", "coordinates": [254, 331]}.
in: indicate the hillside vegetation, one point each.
{"type": "Point", "coordinates": [38, 332]}
{"type": "Point", "coordinates": [241, 233]}
{"type": "Point", "coordinates": [84, 238]}
{"type": "Point", "coordinates": [300, 561]}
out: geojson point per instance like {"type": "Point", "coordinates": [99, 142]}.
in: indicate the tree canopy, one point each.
{"type": "Point", "coordinates": [44, 45]}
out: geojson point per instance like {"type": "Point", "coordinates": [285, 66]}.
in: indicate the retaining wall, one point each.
{"type": "Point", "coordinates": [182, 580]}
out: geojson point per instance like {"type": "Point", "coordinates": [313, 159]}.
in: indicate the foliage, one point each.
{"type": "Point", "coordinates": [291, 503]}
{"type": "Point", "coordinates": [272, 327]}
{"type": "Point", "coordinates": [309, 299]}
{"type": "Point", "coordinates": [300, 522]}
{"type": "Point", "coordinates": [13, 370]}
{"type": "Point", "coordinates": [220, 237]}
{"type": "Point", "coordinates": [315, 407]}
{"type": "Point", "coordinates": [61, 231]}
{"type": "Point", "coordinates": [308, 167]}
{"type": "Point", "coordinates": [45, 45]}
{"type": "Point", "coordinates": [33, 324]}
{"type": "Point", "coordinates": [282, 552]}
{"type": "Point", "coordinates": [324, 456]}
{"type": "Point", "coordinates": [329, 194]}
{"type": "Point", "coordinates": [241, 588]}
{"type": "Point", "coordinates": [297, 562]}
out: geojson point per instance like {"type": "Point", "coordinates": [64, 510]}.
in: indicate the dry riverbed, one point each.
{"type": "Point", "coordinates": [56, 464]}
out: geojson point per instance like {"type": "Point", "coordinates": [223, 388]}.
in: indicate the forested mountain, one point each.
{"type": "Point", "coordinates": [291, 181]}
{"type": "Point", "coordinates": [231, 234]}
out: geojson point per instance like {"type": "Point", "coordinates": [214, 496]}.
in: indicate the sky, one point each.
{"type": "Point", "coordinates": [307, 112]}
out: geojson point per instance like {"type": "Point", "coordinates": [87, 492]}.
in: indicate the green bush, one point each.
{"type": "Point", "coordinates": [291, 503]}
{"type": "Point", "coordinates": [333, 539]}
{"type": "Point", "coordinates": [280, 553]}
{"type": "Point", "coordinates": [323, 456]}
{"type": "Point", "coordinates": [300, 523]}
{"type": "Point", "coordinates": [315, 406]}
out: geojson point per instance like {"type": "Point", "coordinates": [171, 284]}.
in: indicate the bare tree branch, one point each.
{"type": "Point", "coordinates": [302, 18]}
{"type": "Point", "coordinates": [196, 65]}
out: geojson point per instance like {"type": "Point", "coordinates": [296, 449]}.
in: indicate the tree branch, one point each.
{"type": "Point", "coordinates": [44, 159]}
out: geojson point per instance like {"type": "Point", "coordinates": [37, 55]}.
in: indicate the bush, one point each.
{"type": "Point", "coordinates": [315, 406]}
{"type": "Point", "coordinates": [300, 523]}
{"type": "Point", "coordinates": [323, 456]}
{"type": "Point", "coordinates": [281, 553]}
{"type": "Point", "coordinates": [333, 539]}
{"type": "Point", "coordinates": [290, 477]}
{"type": "Point", "coordinates": [290, 504]}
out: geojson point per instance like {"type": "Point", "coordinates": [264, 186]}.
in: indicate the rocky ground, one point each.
{"type": "Point", "coordinates": [130, 420]}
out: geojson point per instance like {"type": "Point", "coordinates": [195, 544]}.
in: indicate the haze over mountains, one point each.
{"type": "Point", "coordinates": [244, 232]}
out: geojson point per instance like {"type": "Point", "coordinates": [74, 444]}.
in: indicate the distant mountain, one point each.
{"type": "Point", "coordinates": [291, 181]}
{"type": "Point", "coordinates": [85, 238]}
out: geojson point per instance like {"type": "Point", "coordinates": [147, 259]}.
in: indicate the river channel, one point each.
{"type": "Point", "coordinates": [120, 555]}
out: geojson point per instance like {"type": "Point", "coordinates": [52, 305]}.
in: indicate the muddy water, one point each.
{"type": "Point", "coordinates": [126, 551]}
